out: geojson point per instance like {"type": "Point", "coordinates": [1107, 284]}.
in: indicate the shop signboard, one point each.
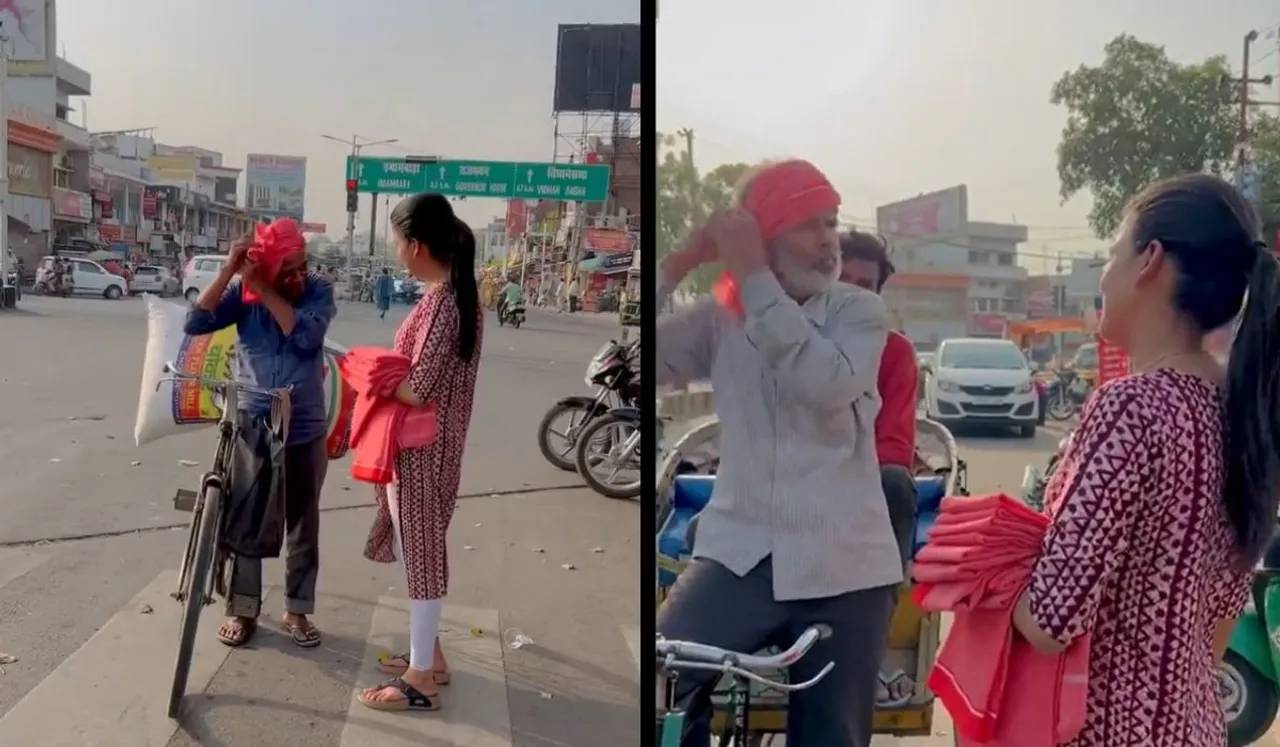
{"type": "Point", "coordinates": [276, 186]}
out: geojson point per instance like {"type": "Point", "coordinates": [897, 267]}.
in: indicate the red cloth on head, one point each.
{"type": "Point", "coordinates": [780, 197]}
{"type": "Point", "coordinates": [273, 243]}
{"type": "Point", "coordinates": [977, 562]}
{"type": "Point", "coordinates": [381, 425]}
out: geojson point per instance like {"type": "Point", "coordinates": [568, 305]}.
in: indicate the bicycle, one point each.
{"type": "Point", "coordinates": [196, 578]}
{"type": "Point", "coordinates": [674, 656]}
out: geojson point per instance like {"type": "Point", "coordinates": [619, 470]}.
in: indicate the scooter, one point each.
{"type": "Point", "coordinates": [1249, 673]}
{"type": "Point", "coordinates": [512, 313]}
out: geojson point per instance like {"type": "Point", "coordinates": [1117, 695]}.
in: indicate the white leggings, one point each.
{"type": "Point", "coordinates": [424, 614]}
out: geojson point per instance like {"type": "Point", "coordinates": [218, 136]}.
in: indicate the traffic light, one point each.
{"type": "Point", "coordinates": [353, 202]}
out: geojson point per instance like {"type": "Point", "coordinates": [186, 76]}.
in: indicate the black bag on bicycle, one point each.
{"type": "Point", "coordinates": [253, 520]}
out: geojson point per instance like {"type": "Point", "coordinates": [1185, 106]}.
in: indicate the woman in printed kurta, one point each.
{"type": "Point", "coordinates": [442, 337]}
{"type": "Point", "coordinates": [1166, 494]}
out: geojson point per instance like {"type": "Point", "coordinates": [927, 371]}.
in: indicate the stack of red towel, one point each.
{"type": "Point", "coordinates": [381, 424]}
{"type": "Point", "coordinates": [976, 563]}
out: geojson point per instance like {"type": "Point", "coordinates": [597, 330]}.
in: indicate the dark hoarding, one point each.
{"type": "Point", "coordinates": [598, 68]}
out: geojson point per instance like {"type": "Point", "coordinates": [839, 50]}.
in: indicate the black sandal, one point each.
{"type": "Point", "coordinates": [414, 700]}
{"type": "Point", "coordinates": [242, 632]}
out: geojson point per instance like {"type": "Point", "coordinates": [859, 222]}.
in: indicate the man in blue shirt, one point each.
{"type": "Point", "coordinates": [281, 341]}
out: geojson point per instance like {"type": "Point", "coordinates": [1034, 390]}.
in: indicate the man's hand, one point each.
{"type": "Point", "coordinates": [697, 250]}
{"type": "Point", "coordinates": [736, 237]}
{"type": "Point", "coordinates": [239, 254]}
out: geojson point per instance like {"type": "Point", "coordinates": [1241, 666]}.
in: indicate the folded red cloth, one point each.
{"type": "Point", "coordinates": [381, 425]}
{"type": "Point", "coordinates": [273, 243]}
{"type": "Point", "coordinates": [978, 560]}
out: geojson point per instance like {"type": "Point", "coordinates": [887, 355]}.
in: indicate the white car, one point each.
{"type": "Point", "coordinates": [154, 279]}
{"type": "Point", "coordinates": [88, 278]}
{"type": "Point", "coordinates": [200, 272]}
{"type": "Point", "coordinates": [975, 380]}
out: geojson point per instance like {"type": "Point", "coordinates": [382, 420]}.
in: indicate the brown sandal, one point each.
{"type": "Point", "coordinates": [237, 631]}
{"type": "Point", "coordinates": [386, 664]}
{"type": "Point", "coordinates": [305, 636]}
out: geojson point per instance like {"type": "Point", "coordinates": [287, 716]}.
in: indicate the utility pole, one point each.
{"type": "Point", "coordinates": [373, 222]}
{"type": "Point", "coordinates": [8, 296]}
{"type": "Point", "coordinates": [356, 147]}
{"type": "Point", "coordinates": [691, 174]}
{"type": "Point", "coordinates": [1245, 102]}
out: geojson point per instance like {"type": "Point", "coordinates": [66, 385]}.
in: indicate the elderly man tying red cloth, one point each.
{"type": "Point", "coordinates": [797, 531]}
{"type": "Point", "coordinates": [281, 315]}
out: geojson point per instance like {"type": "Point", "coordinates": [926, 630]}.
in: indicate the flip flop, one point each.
{"type": "Point", "coordinates": [305, 637]}
{"type": "Point", "coordinates": [414, 699]}
{"type": "Point", "coordinates": [244, 630]}
{"type": "Point", "coordinates": [385, 665]}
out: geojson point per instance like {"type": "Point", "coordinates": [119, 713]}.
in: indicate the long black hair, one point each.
{"type": "Point", "coordinates": [429, 220]}
{"type": "Point", "coordinates": [1212, 234]}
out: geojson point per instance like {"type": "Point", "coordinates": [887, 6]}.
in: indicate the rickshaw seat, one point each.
{"type": "Point", "coordinates": [692, 492]}
{"type": "Point", "coordinates": [929, 493]}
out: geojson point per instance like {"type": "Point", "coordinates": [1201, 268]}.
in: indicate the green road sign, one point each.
{"type": "Point", "coordinates": [572, 182]}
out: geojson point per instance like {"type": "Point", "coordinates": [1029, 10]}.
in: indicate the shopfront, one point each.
{"type": "Point", "coordinates": [72, 212]}
{"type": "Point", "coordinates": [31, 153]}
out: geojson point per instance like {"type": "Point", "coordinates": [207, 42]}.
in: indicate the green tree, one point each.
{"type": "Point", "coordinates": [1137, 118]}
{"type": "Point", "coordinates": [686, 196]}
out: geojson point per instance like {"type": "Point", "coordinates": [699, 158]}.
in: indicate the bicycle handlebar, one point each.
{"type": "Point", "coordinates": [700, 656]}
{"type": "Point", "coordinates": [218, 385]}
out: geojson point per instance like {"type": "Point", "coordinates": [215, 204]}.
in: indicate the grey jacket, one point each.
{"type": "Point", "coordinates": [795, 391]}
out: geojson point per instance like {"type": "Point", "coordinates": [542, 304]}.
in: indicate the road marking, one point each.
{"type": "Point", "coordinates": [475, 712]}
{"type": "Point", "coordinates": [112, 692]}
{"type": "Point", "coordinates": [14, 564]}
{"type": "Point", "coordinates": [632, 635]}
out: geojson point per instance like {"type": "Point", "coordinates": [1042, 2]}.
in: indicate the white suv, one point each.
{"type": "Point", "coordinates": [975, 380]}
{"type": "Point", "coordinates": [201, 271]}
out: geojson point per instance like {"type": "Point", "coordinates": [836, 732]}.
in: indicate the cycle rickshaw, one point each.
{"type": "Point", "coordinates": [905, 708]}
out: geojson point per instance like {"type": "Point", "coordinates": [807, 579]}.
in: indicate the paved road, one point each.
{"type": "Point", "coordinates": [88, 553]}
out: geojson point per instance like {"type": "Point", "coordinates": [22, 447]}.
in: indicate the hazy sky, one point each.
{"type": "Point", "coordinates": [460, 78]}
{"type": "Point", "coordinates": [897, 97]}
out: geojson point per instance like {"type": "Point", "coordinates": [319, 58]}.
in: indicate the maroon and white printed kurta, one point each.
{"type": "Point", "coordinates": [427, 479]}
{"type": "Point", "coordinates": [1141, 556]}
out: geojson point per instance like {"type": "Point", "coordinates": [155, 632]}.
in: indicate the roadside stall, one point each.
{"type": "Point", "coordinates": [629, 312]}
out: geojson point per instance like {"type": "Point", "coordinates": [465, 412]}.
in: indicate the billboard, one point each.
{"type": "Point", "coordinates": [30, 39]}
{"type": "Point", "coordinates": [275, 186]}
{"type": "Point", "coordinates": [173, 169]}
{"type": "Point", "coordinates": [936, 213]}
{"type": "Point", "coordinates": [597, 68]}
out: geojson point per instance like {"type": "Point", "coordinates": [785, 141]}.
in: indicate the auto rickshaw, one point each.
{"type": "Point", "coordinates": [685, 482]}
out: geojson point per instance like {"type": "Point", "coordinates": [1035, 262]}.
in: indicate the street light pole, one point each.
{"type": "Point", "coordinates": [356, 147]}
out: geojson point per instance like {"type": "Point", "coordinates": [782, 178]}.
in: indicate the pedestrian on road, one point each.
{"type": "Point", "coordinates": [442, 336]}
{"type": "Point", "coordinates": [281, 339]}
{"type": "Point", "coordinates": [573, 295]}
{"type": "Point", "coordinates": [562, 296]}
{"type": "Point", "coordinates": [383, 291]}
{"type": "Point", "coordinates": [1166, 495]}
{"type": "Point", "coordinates": [793, 359]}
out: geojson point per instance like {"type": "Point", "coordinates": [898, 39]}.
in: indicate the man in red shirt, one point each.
{"type": "Point", "coordinates": [865, 263]}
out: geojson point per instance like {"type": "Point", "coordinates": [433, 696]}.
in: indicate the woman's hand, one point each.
{"type": "Point", "coordinates": [404, 393]}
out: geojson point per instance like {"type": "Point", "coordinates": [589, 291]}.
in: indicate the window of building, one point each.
{"type": "Point", "coordinates": [1004, 258]}
{"type": "Point", "coordinates": [1009, 305]}
{"type": "Point", "coordinates": [976, 257]}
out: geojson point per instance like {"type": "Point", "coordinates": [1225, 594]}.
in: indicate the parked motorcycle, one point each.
{"type": "Point", "coordinates": [1249, 673]}
{"type": "Point", "coordinates": [512, 313]}
{"type": "Point", "coordinates": [614, 372]}
{"type": "Point", "coordinates": [608, 453]}
{"type": "Point", "coordinates": [1066, 395]}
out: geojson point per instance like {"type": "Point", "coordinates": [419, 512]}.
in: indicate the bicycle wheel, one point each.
{"type": "Point", "coordinates": [206, 535]}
